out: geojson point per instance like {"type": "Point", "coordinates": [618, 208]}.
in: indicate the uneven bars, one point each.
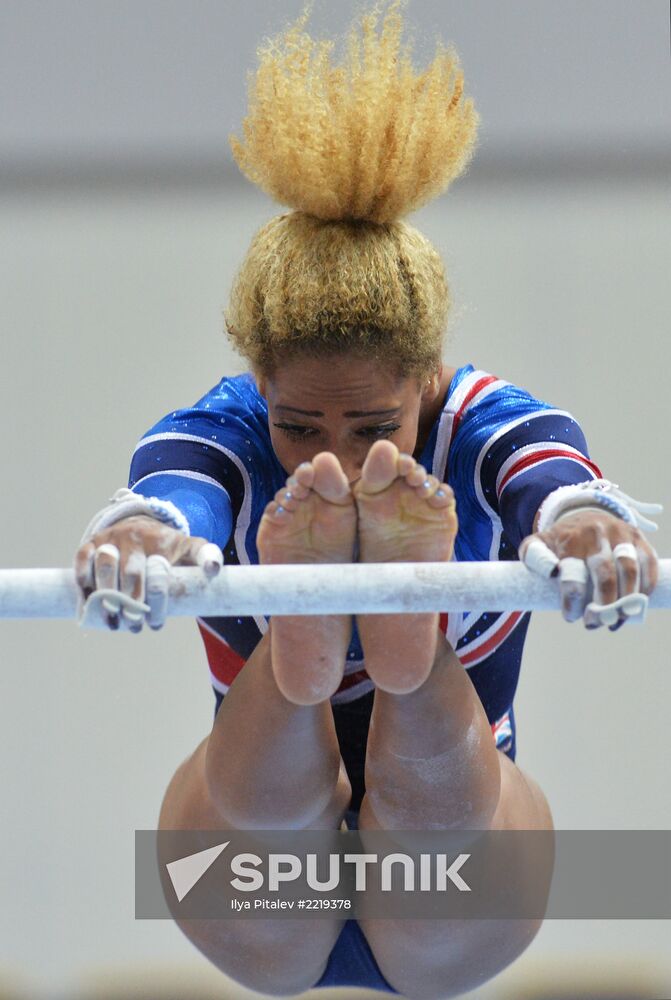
{"type": "Point", "coordinates": [325, 588]}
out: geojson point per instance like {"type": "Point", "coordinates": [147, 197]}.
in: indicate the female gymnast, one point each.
{"type": "Point", "coordinates": [349, 440]}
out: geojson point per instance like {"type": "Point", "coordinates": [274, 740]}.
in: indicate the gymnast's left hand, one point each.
{"type": "Point", "coordinates": [600, 560]}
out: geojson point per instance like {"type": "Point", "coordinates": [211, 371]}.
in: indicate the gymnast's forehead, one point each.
{"type": "Point", "coordinates": [341, 377]}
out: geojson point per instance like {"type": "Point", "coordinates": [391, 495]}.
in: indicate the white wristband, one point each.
{"type": "Point", "coordinates": [598, 494]}
{"type": "Point", "coordinates": [125, 503]}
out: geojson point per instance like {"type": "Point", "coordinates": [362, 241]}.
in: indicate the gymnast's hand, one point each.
{"type": "Point", "coordinates": [599, 559]}
{"type": "Point", "coordinates": [130, 561]}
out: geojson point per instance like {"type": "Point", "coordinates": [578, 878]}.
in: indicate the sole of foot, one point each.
{"type": "Point", "coordinates": [405, 515]}
{"type": "Point", "coordinates": [312, 519]}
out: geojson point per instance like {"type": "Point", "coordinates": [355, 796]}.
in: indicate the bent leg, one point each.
{"type": "Point", "coordinates": [268, 764]}
{"type": "Point", "coordinates": [432, 764]}
{"type": "Point", "coordinates": [431, 761]}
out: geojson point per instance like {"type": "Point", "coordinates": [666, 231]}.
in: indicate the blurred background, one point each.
{"type": "Point", "coordinates": [122, 221]}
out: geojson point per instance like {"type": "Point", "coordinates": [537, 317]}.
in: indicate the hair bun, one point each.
{"type": "Point", "coordinates": [367, 140]}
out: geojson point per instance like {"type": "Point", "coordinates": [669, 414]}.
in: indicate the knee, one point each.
{"type": "Point", "coordinates": [252, 809]}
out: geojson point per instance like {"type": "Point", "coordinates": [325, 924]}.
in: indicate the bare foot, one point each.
{"type": "Point", "coordinates": [311, 520]}
{"type": "Point", "coordinates": [405, 515]}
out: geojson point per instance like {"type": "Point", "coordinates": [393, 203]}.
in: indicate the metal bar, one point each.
{"type": "Point", "coordinates": [324, 588]}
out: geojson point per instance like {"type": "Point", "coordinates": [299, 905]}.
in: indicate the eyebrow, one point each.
{"type": "Point", "coordinates": [349, 413]}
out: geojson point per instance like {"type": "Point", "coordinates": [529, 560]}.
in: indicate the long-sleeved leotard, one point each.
{"type": "Point", "coordinates": [500, 449]}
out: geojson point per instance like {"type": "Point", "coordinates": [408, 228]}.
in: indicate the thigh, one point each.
{"type": "Point", "coordinates": [277, 956]}
{"type": "Point", "coordinates": [453, 956]}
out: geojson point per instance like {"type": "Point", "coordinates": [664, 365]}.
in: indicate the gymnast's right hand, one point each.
{"type": "Point", "coordinates": [124, 571]}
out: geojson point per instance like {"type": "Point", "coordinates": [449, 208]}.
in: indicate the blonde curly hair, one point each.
{"type": "Point", "coordinates": [351, 149]}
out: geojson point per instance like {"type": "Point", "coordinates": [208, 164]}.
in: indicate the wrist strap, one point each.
{"type": "Point", "coordinates": [125, 503]}
{"type": "Point", "coordinates": [598, 494]}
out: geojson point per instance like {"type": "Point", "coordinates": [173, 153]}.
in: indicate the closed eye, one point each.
{"type": "Point", "coordinates": [298, 432]}
{"type": "Point", "coordinates": [382, 430]}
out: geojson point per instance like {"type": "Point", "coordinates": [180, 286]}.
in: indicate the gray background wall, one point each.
{"type": "Point", "coordinates": [122, 221]}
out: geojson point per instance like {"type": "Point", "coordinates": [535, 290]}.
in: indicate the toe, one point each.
{"type": "Point", "coordinates": [427, 487]}
{"type": "Point", "coordinates": [380, 468]}
{"type": "Point", "coordinates": [442, 496]}
{"type": "Point", "coordinates": [329, 479]}
{"type": "Point", "coordinates": [287, 497]}
{"type": "Point", "coordinates": [296, 490]}
{"type": "Point", "coordinates": [276, 511]}
{"type": "Point", "coordinates": [418, 476]}
{"type": "Point", "coordinates": [303, 474]}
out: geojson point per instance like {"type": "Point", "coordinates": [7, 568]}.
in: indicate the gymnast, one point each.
{"type": "Point", "coordinates": [350, 440]}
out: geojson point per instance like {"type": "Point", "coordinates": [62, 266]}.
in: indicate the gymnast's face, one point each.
{"type": "Point", "coordinates": [342, 404]}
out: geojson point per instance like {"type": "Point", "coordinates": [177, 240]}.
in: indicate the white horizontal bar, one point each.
{"type": "Point", "coordinates": [317, 589]}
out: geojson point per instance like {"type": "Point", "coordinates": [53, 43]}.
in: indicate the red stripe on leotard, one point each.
{"type": "Point", "coordinates": [481, 384]}
{"type": "Point", "coordinates": [541, 456]}
{"type": "Point", "coordinates": [497, 638]}
{"type": "Point", "coordinates": [224, 662]}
